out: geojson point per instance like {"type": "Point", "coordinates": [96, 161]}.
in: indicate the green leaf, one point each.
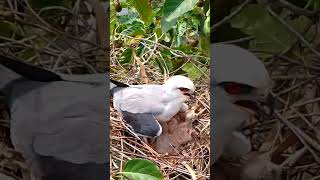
{"type": "Point", "coordinates": [134, 29]}
{"type": "Point", "coordinates": [206, 25]}
{"type": "Point", "coordinates": [182, 27]}
{"type": "Point", "coordinates": [205, 44]}
{"type": "Point", "coordinates": [141, 169]}
{"type": "Point", "coordinates": [144, 10]}
{"type": "Point", "coordinates": [173, 9]}
{"type": "Point", "coordinates": [193, 72]}
{"type": "Point", "coordinates": [270, 35]}
{"type": "Point", "coordinates": [126, 57]}
{"type": "Point", "coordinates": [128, 19]}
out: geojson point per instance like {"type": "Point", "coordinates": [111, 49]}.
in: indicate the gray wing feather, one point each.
{"type": "Point", "coordinates": [99, 78]}
{"type": "Point", "coordinates": [61, 119]}
{"type": "Point", "coordinates": [143, 123]}
{"type": "Point", "coordinates": [140, 100]}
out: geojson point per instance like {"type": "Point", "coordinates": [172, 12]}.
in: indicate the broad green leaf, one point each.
{"type": "Point", "coordinates": [141, 169]}
{"type": "Point", "coordinates": [134, 29]}
{"type": "Point", "coordinates": [126, 57]}
{"type": "Point", "coordinates": [128, 19]}
{"type": "Point", "coordinates": [178, 8]}
{"type": "Point", "coordinates": [112, 17]}
{"type": "Point", "coordinates": [270, 35]}
{"type": "Point", "coordinates": [173, 9]}
{"type": "Point", "coordinates": [144, 10]}
{"type": "Point", "coordinates": [193, 72]}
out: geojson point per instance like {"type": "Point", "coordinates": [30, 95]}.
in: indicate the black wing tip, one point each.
{"type": "Point", "coordinates": [27, 70]}
{"type": "Point", "coordinates": [143, 124]}
{"type": "Point", "coordinates": [119, 84]}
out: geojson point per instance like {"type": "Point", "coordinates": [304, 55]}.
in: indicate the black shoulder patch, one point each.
{"type": "Point", "coordinates": [143, 124]}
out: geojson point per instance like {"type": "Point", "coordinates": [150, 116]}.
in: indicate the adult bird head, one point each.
{"type": "Point", "coordinates": [243, 80]}
{"type": "Point", "coordinates": [240, 87]}
{"type": "Point", "coordinates": [181, 85]}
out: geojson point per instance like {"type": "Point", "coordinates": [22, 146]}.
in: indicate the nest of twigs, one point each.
{"type": "Point", "coordinates": [191, 159]}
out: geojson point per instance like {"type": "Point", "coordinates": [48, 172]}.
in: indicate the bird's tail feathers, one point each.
{"type": "Point", "coordinates": [116, 86]}
{"type": "Point", "coordinates": [28, 71]}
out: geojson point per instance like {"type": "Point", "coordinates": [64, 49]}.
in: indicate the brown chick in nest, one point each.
{"type": "Point", "coordinates": [176, 132]}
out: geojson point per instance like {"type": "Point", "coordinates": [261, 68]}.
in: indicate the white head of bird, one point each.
{"type": "Point", "coordinates": [241, 89]}
{"type": "Point", "coordinates": [241, 78]}
{"type": "Point", "coordinates": [181, 85]}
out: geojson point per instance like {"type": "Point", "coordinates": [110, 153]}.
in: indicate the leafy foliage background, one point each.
{"type": "Point", "coordinates": [170, 36]}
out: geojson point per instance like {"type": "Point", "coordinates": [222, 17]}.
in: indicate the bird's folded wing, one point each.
{"type": "Point", "coordinates": [78, 141]}
{"type": "Point", "coordinates": [143, 124]}
{"type": "Point", "coordinates": [140, 100]}
{"type": "Point", "coordinates": [64, 120]}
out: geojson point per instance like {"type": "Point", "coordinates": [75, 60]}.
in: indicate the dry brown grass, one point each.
{"type": "Point", "coordinates": [193, 157]}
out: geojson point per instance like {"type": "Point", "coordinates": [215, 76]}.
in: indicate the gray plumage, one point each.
{"type": "Point", "coordinates": [58, 122]}
{"type": "Point", "coordinates": [142, 106]}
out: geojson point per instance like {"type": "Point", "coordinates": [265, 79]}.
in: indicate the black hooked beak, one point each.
{"type": "Point", "coordinates": [263, 108]}
{"type": "Point", "coordinates": [188, 92]}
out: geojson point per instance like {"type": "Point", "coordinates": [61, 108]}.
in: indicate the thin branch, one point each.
{"type": "Point", "coordinates": [244, 39]}
{"type": "Point", "coordinates": [308, 44]}
{"type": "Point", "coordinates": [295, 9]}
{"type": "Point", "coordinates": [230, 16]}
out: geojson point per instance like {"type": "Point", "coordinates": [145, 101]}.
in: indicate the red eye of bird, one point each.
{"type": "Point", "coordinates": [184, 89]}
{"type": "Point", "coordinates": [236, 88]}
